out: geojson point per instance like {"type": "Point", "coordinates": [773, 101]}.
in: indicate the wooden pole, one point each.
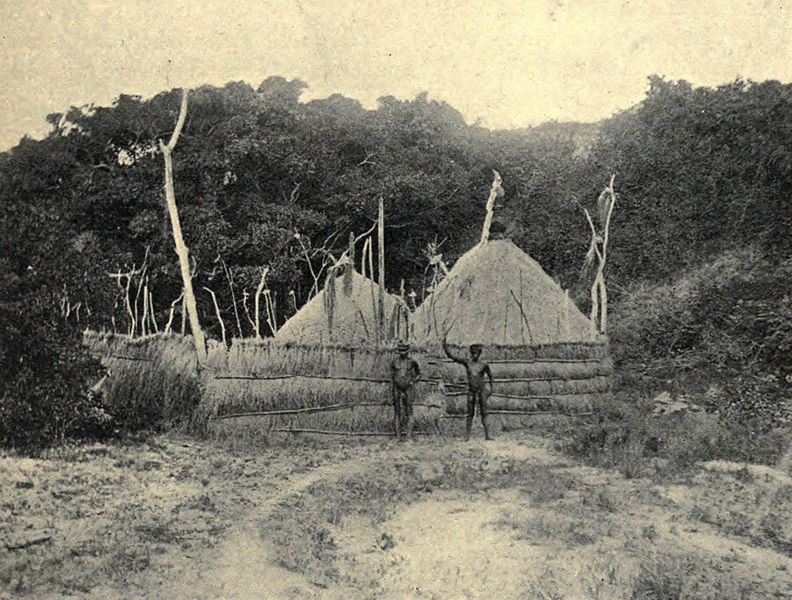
{"type": "Point", "coordinates": [605, 237]}
{"type": "Point", "coordinates": [381, 268]}
{"type": "Point", "coordinates": [181, 248]}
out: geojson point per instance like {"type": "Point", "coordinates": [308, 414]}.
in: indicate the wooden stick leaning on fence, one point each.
{"type": "Point", "coordinates": [181, 248]}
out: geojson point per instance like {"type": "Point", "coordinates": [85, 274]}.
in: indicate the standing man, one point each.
{"type": "Point", "coordinates": [477, 390]}
{"type": "Point", "coordinates": [404, 373]}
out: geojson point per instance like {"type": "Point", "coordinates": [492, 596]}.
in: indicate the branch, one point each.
{"type": "Point", "coordinates": [366, 160]}
{"type": "Point", "coordinates": [179, 123]}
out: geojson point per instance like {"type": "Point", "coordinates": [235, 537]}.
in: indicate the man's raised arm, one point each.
{"type": "Point", "coordinates": [450, 354]}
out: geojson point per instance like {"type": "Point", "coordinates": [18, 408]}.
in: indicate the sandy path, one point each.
{"type": "Point", "coordinates": [450, 544]}
{"type": "Point", "coordinates": [242, 566]}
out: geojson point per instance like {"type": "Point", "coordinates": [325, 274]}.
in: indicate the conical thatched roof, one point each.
{"type": "Point", "coordinates": [497, 294]}
{"type": "Point", "coordinates": [353, 318]}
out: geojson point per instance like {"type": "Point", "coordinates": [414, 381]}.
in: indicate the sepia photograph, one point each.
{"type": "Point", "coordinates": [396, 299]}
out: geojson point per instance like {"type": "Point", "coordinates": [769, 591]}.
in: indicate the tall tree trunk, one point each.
{"type": "Point", "coordinates": [181, 249]}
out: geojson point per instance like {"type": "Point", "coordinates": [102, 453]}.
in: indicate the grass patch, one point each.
{"type": "Point", "coordinates": [301, 528]}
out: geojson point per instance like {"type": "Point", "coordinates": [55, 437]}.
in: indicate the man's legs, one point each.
{"type": "Point", "coordinates": [482, 396]}
{"type": "Point", "coordinates": [397, 417]}
{"type": "Point", "coordinates": [408, 409]}
{"type": "Point", "coordinates": [471, 411]}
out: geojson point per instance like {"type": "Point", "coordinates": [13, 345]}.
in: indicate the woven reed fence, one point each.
{"type": "Point", "coordinates": [343, 390]}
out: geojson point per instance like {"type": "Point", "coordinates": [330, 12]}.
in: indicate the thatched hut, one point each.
{"type": "Point", "coordinates": [326, 370]}
{"type": "Point", "coordinates": [497, 294]}
{"type": "Point", "coordinates": [344, 313]}
{"type": "Point", "coordinates": [541, 348]}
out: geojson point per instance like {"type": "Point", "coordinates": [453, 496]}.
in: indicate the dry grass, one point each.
{"type": "Point", "coordinates": [152, 381]}
{"type": "Point", "coordinates": [584, 534]}
{"type": "Point", "coordinates": [110, 510]}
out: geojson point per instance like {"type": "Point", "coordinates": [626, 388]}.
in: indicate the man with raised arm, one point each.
{"type": "Point", "coordinates": [477, 389]}
{"type": "Point", "coordinates": [404, 373]}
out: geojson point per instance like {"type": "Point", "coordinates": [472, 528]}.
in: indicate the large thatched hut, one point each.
{"type": "Point", "coordinates": [497, 294]}
{"type": "Point", "coordinates": [542, 351]}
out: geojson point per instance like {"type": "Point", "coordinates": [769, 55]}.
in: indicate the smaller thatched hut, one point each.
{"type": "Point", "coordinates": [343, 313]}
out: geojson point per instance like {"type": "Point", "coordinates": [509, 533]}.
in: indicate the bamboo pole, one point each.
{"type": "Point", "coordinates": [181, 248]}
{"type": "Point", "coordinates": [381, 268]}
{"type": "Point", "coordinates": [259, 289]}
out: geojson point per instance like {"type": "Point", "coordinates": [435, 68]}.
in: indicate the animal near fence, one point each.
{"type": "Point", "coordinates": [298, 388]}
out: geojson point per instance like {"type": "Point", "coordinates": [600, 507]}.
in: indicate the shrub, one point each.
{"type": "Point", "coordinates": [153, 382]}
{"type": "Point", "coordinates": [628, 437]}
{"type": "Point", "coordinates": [730, 315]}
{"type": "Point", "coordinates": [46, 376]}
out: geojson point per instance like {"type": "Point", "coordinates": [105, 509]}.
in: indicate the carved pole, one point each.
{"type": "Point", "coordinates": [381, 268]}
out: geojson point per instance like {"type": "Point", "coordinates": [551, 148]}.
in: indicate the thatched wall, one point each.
{"type": "Point", "coordinates": [295, 386]}
{"type": "Point", "coordinates": [285, 379]}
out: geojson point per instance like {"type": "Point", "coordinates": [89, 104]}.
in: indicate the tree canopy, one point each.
{"type": "Point", "coordinates": [698, 171]}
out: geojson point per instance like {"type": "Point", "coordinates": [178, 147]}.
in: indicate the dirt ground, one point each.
{"type": "Point", "coordinates": [172, 517]}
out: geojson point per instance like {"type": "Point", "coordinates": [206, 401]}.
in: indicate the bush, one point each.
{"type": "Point", "coordinates": [729, 317]}
{"type": "Point", "coordinates": [45, 392]}
{"type": "Point", "coordinates": [637, 442]}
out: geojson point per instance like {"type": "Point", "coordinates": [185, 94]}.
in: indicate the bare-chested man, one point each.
{"type": "Point", "coordinates": [404, 373]}
{"type": "Point", "coordinates": [477, 390]}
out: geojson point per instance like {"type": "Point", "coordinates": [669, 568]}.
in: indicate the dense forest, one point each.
{"type": "Point", "coordinates": [700, 253]}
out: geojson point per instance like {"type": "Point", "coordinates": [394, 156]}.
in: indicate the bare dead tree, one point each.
{"type": "Point", "coordinates": [181, 248]}
{"type": "Point", "coordinates": [144, 317]}
{"type": "Point", "coordinates": [219, 316]}
{"type": "Point", "coordinates": [259, 288]}
{"type": "Point", "coordinates": [246, 308]}
{"type": "Point", "coordinates": [172, 310]}
{"type": "Point", "coordinates": [496, 191]}
{"type": "Point", "coordinates": [230, 279]}
{"type": "Point", "coordinates": [269, 304]}
{"type": "Point", "coordinates": [598, 249]}
{"type": "Point", "coordinates": [367, 160]}
{"type": "Point", "coordinates": [151, 312]}
{"type": "Point", "coordinates": [381, 268]}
